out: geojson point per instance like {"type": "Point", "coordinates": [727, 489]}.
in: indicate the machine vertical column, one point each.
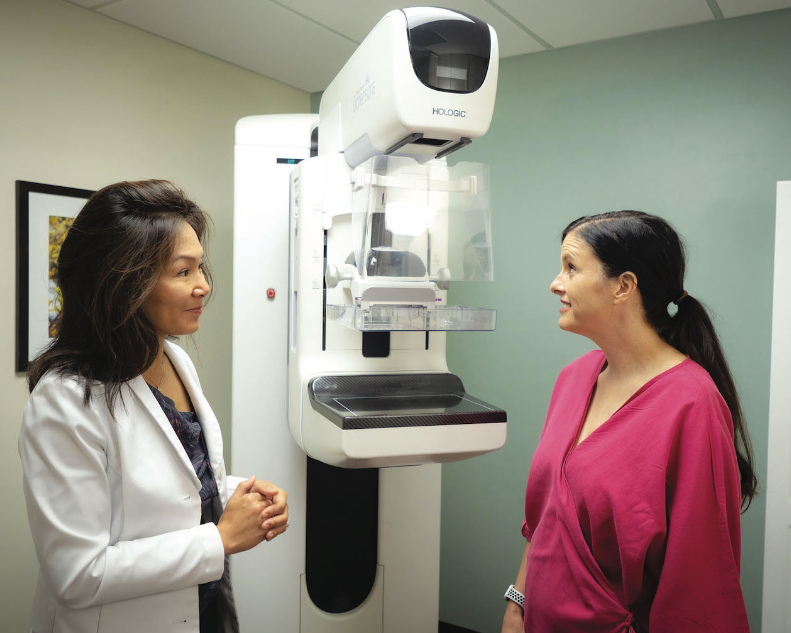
{"type": "Point", "coordinates": [267, 578]}
{"type": "Point", "coordinates": [409, 522]}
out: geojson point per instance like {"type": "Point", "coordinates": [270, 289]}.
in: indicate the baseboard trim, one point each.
{"type": "Point", "coordinates": [444, 627]}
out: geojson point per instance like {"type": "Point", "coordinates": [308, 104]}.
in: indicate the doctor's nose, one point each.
{"type": "Point", "coordinates": [201, 290]}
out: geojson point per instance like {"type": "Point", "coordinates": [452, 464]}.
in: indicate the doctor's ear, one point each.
{"type": "Point", "coordinates": [626, 286]}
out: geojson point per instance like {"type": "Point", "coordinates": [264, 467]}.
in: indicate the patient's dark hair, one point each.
{"type": "Point", "coordinates": [649, 247]}
{"type": "Point", "coordinates": [110, 261]}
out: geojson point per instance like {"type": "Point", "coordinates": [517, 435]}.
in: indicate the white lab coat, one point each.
{"type": "Point", "coordinates": [114, 509]}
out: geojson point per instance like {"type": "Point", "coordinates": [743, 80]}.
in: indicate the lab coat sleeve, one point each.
{"type": "Point", "coordinates": [698, 586]}
{"type": "Point", "coordinates": [64, 450]}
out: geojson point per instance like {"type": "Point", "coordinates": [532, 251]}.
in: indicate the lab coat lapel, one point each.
{"type": "Point", "coordinates": [209, 424]}
{"type": "Point", "coordinates": [149, 403]}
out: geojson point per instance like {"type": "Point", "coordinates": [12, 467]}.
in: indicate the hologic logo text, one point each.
{"type": "Point", "coordinates": [364, 94]}
{"type": "Point", "coordinates": [449, 112]}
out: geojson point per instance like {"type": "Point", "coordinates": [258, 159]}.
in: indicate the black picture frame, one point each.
{"type": "Point", "coordinates": [35, 202]}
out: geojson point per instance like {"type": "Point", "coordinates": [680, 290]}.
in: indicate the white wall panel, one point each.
{"type": "Point", "coordinates": [777, 552]}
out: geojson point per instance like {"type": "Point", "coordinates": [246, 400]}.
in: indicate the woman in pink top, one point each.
{"type": "Point", "coordinates": [634, 495]}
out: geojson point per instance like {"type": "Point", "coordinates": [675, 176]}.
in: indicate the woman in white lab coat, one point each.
{"type": "Point", "coordinates": [124, 478]}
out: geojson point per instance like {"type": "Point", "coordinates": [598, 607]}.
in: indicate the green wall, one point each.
{"type": "Point", "coordinates": [693, 124]}
{"type": "Point", "coordinates": [315, 102]}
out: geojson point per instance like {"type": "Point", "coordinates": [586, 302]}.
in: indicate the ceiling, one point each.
{"type": "Point", "coordinates": [304, 43]}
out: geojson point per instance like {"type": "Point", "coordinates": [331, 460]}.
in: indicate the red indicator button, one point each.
{"type": "Point", "coordinates": [270, 294]}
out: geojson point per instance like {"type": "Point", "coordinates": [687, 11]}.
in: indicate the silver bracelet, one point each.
{"type": "Point", "coordinates": [515, 596]}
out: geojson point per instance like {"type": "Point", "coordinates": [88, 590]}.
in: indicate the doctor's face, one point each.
{"type": "Point", "coordinates": [176, 303]}
{"type": "Point", "coordinates": [583, 288]}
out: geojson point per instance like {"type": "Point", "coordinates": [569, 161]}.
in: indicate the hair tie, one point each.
{"type": "Point", "coordinates": [681, 298]}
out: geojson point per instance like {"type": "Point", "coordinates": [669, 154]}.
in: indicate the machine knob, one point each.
{"type": "Point", "coordinates": [334, 275]}
{"type": "Point", "coordinates": [442, 279]}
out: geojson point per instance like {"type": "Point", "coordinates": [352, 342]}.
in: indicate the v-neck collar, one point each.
{"type": "Point", "coordinates": [594, 378]}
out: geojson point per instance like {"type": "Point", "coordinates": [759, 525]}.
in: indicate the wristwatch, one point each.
{"type": "Point", "coordinates": [515, 596]}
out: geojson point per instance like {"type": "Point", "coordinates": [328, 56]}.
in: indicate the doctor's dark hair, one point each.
{"type": "Point", "coordinates": [110, 261]}
{"type": "Point", "coordinates": [649, 247]}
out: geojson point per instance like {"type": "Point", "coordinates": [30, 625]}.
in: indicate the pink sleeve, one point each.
{"type": "Point", "coordinates": [698, 587]}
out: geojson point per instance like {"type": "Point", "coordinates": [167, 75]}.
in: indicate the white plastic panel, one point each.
{"type": "Point", "coordinates": [409, 554]}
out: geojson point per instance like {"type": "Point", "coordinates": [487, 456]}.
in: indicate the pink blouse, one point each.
{"type": "Point", "coordinates": [637, 528]}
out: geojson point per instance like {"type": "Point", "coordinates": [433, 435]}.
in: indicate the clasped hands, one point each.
{"type": "Point", "coordinates": [256, 511]}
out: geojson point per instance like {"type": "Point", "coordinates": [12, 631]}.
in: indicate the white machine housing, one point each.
{"type": "Point", "coordinates": [420, 85]}
{"type": "Point", "coordinates": [398, 425]}
{"type": "Point", "coordinates": [300, 332]}
{"type": "Point", "coordinates": [271, 579]}
{"type": "Point", "coordinates": [383, 100]}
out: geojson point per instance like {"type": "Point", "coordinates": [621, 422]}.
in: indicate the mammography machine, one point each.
{"type": "Point", "coordinates": [350, 227]}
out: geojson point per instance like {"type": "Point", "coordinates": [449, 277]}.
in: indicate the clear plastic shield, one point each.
{"type": "Point", "coordinates": [422, 222]}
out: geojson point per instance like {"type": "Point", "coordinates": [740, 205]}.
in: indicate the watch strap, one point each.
{"type": "Point", "coordinates": [514, 595]}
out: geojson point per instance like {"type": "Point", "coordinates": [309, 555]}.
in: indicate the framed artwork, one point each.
{"type": "Point", "coordinates": [44, 214]}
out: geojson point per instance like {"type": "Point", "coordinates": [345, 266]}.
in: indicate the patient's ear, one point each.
{"type": "Point", "coordinates": [625, 288]}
